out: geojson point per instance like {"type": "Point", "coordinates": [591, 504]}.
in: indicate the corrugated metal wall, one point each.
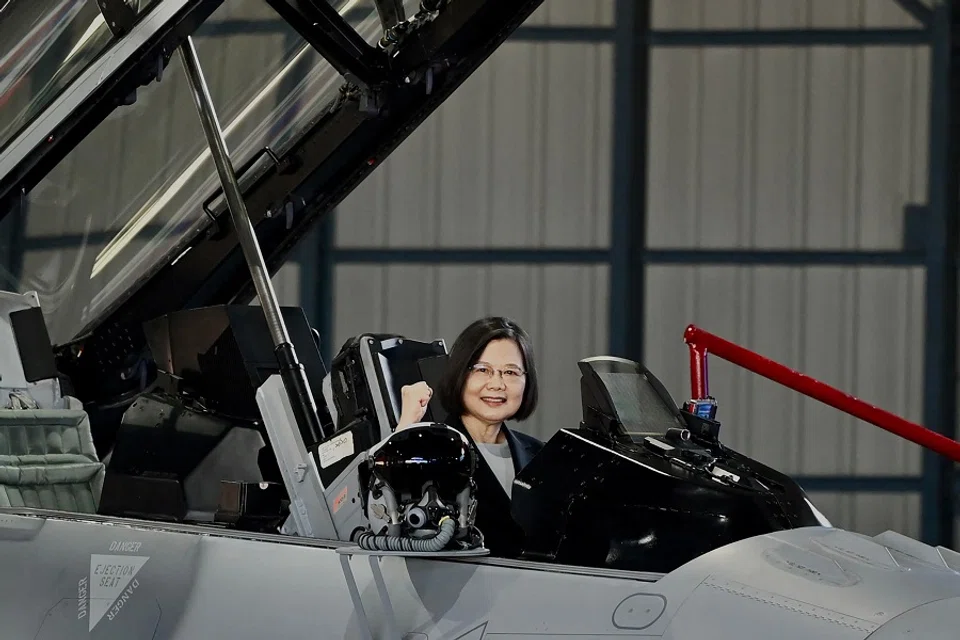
{"type": "Point", "coordinates": [794, 148]}
{"type": "Point", "coordinates": [749, 148]}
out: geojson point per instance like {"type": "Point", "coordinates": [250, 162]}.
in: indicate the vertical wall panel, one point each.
{"type": "Point", "coordinates": [774, 189]}
{"type": "Point", "coordinates": [573, 326]}
{"type": "Point", "coordinates": [463, 176]}
{"type": "Point", "coordinates": [517, 143]}
{"type": "Point", "coordinates": [893, 95]}
{"type": "Point", "coordinates": [673, 135]}
{"type": "Point", "coordinates": [580, 13]}
{"type": "Point", "coordinates": [831, 148]}
{"type": "Point", "coordinates": [519, 156]}
{"type": "Point", "coordinates": [577, 145]}
{"type": "Point", "coordinates": [857, 329]}
{"type": "Point", "coordinates": [562, 307]}
{"type": "Point", "coordinates": [286, 282]}
{"type": "Point", "coordinates": [359, 301]}
{"type": "Point", "coordinates": [806, 147]}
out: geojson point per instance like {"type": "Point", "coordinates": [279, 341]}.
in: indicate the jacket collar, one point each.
{"type": "Point", "coordinates": [519, 451]}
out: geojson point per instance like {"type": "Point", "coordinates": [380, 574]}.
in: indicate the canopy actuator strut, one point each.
{"type": "Point", "coordinates": [391, 13]}
{"type": "Point", "coordinates": [328, 33]}
{"type": "Point", "coordinates": [291, 370]}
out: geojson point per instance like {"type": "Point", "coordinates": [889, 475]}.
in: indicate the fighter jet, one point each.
{"type": "Point", "coordinates": [176, 462]}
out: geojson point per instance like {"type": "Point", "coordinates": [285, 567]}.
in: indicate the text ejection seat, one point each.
{"type": "Point", "coordinates": [47, 457]}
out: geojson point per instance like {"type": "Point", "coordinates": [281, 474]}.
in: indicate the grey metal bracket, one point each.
{"type": "Point", "coordinates": [119, 16]}
{"type": "Point", "coordinates": [375, 558]}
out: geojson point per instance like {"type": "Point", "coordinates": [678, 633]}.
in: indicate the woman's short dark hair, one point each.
{"type": "Point", "coordinates": [467, 349]}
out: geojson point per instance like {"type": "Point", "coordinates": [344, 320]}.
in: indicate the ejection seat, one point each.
{"type": "Point", "coordinates": [363, 395]}
{"type": "Point", "coordinates": [366, 378]}
{"type": "Point", "coordinates": [47, 457]}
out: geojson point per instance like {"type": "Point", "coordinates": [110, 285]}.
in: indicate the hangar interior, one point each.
{"type": "Point", "coordinates": [761, 168]}
{"type": "Point", "coordinates": [779, 172]}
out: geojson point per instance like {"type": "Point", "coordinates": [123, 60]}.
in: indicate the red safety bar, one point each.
{"type": "Point", "coordinates": [703, 342]}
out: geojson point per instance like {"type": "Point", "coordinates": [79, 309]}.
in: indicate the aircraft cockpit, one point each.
{"type": "Point", "coordinates": [142, 385]}
{"type": "Point", "coordinates": [210, 443]}
{"type": "Point", "coordinates": [168, 448]}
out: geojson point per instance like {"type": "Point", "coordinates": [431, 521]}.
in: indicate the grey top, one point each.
{"type": "Point", "coordinates": [500, 461]}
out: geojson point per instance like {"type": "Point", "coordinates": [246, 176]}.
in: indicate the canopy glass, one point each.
{"type": "Point", "coordinates": [132, 193]}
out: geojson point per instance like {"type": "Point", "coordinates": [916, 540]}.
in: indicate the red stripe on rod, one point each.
{"type": "Point", "coordinates": [702, 342]}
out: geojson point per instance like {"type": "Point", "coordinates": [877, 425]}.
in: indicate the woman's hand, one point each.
{"type": "Point", "coordinates": [414, 399]}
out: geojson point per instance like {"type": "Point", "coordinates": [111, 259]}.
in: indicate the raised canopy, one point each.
{"type": "Point", "coordinates": [111, 207]}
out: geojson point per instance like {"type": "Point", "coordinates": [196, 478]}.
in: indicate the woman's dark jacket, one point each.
{"type": "Point", "coordinates": [502, 535]}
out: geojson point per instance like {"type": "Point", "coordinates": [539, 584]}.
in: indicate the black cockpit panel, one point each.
{"type": "Point", "coordinates": [223, 354]}
{"type": "Point", "coordinates": [639, 486]}
{"type": "Point", "coordinates": [199, 432]}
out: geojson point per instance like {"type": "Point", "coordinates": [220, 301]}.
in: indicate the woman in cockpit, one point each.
{"type": "Point", "coordinates": [491, 377]}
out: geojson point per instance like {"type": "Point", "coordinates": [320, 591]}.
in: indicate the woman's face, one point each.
{"type": "Point", "coordinates": [494, 387]}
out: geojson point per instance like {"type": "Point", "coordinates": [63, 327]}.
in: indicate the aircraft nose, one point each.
{"type": "Point", "coordinates": [932, 621]}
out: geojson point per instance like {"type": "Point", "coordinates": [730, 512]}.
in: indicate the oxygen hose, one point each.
{"type": "Point", "coordinates": [374, 542]}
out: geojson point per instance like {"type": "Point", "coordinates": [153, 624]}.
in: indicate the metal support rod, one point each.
{"type": "Point", "coordinates": [391, 13]}
{"type": "Point", "coordinates": [293, 373]}
{"type": "Point", "coordinates": [231, 190]}
{"type": "Point", "coordinates": [703, 342]}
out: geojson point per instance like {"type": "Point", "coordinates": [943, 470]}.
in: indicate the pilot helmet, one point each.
{"type": "Point", "coordinates": [416, 478]}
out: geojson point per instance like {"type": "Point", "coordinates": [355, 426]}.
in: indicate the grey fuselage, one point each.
{"type": "Point", "coordinates": [68, 576]}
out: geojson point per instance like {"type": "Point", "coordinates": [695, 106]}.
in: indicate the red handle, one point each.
{"type": "Point", "coordinates": [702, 342]}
